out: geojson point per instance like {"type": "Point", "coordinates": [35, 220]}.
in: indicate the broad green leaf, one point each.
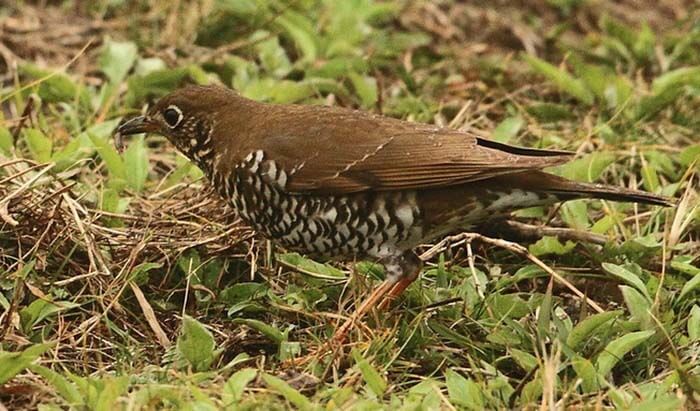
{"type": "Point", "coordinates": [113, 162]}
{"type": "Point", "coordinates": [54, 86]}
{"type": "Point", "coordinates": [638, 305]}
{"type": "Point", "coordinates": [139, 274]}
{"type": "Point", "coordinates": [300, 29]}
{"type": "Point", "coordinates": [689, 155]}
{"type": "Point", "coordinates": [550, 112]}
{"type": "Point", "coordinates": [196, 344]}
{"type": "Point", "coordinates": [591, 380]}
{"type": "Point", "coordinates": [450, 334]}
{"type": "Point", "coordinates": [365, 87]}
{"type": "Point", "coordinates": [507, 129]}
{"type": "Point", "coordinates": [63, 387]}
{"type": "Point", "coordinates": [508, 305]}
{"type": "Point", "coordinates": [288, 392]}
{"type": "Point", "coordinates": [40, 309]}
{"type": "Point", "coordinates": [650, 178]}
{"type": "Point", "coordinates": [160, 82]}
{"type": "Point", "coordinates": [643, 46]}
{"type": "Point", "coordinates": [235, 386]}
{"type": "Point", "coordinates": [551, 245]}
{"type": "Point", "coordinates": [603, 225]}
{"type": "Point", "coordinates": [112, 388]}
{"type": "Point", "coordinates": [6, 140]}
{"type": "Point", "coordinates": [179, 175]}
{"type": "Point", "coordinates": [620, 398]}
{"type": "Point", "coordinates": [111, 201]}
{"type": "Point", "coordinates": [644, 245]}
{"type": "Point", "coordinates": [583, 330]}
{"type": "Point", "coordinates": [289, 350]}
{"type": "Point", "coordinates": [587, 168]}
{"type": "Point", "coordinates": [116, 59]}
{"type": "Point", "coordinates": [618, 30]}
{"type": "Point", "coordinates": [70, 154]}
{"type": "Point", "coordinates": [575, 214]}
{"type": "Point", "coordinates": [504, 336]}
{"type": "Point", "coordinates": [338, 67]}
{"type": "Point", "coordinates": [149, 65]}
{"type": "Point", "coordinates": [651, 105]}
{"type": "Point", "coordinates": [690, 286]}
{"type": "Point", "coordinates": [12, 363]}
{"type": "Point", "coordinates": [676, 78]}
{"type": "Point", "coordinates": [616, 350]}
{"type": "Point", "coordinates": [309, 267]}
{"type": "Point", "coordinates": [684, 264]}
{"type": "Point", "coordinates": [136, 164]}
{"type": "Point", "coordinates": [273, 57]}
{"type": "Point", "coordinates": [628, 277]}
{"type": "Point", "coordinates": [39, 145]}
{"type": "Point", "coordinates": [532, 390]}
{"type": "Point", "coordinates": [525, 360]}
{"type": "Point", "coordinates": [544, 316]}
{"type": "Point", "coordinates": [694, 323]}
{"type": "Point", "coordinates": [100, 130]}
{"type": "Point", "coordinates": [561, 78]}
{"type": "Point", "coordinates": [279, 91]}
{"type": "Point", "coordinates": [375, 382]}
{"type": "Point", "coordinates": [241, 292]}
{"type": "Point", "coordinates": [463, 392]}
{"type": "Point", "coordinates": [665, 403]}
{"type": "Point", "coordinates": [268, 331]}
{"type": "Point", "coordinates": [596, 78]}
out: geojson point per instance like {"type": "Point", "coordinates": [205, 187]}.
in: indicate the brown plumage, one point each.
{"type": "Point", "coordinates": [331, 182]}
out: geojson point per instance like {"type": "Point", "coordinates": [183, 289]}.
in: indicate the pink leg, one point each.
{"type": "Point", "coordinates": [396, 291]}
{"type": "Point", "coordinates": [367, 305]}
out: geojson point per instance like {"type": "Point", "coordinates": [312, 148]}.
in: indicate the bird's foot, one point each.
{"type": "Point", "coordinates": [335, 344]}
{"type": "Point", "coordinates": [367, 305]}
{"type": "Point", "coordinates": [401, 270]}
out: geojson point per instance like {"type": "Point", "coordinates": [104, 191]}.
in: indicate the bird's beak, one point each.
{"type": "Point", "coordinates": [136, 125]}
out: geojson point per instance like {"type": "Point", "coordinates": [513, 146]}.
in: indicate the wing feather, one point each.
{"type": "Point", "coordinates": [335, 151]}
{"type": "Point", "coordinates": [418, 160]}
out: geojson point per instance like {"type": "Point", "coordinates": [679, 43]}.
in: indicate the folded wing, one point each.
{"type": "Point", "coordinates": [413, 160]}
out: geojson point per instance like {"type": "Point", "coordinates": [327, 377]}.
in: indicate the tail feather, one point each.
{"type": "Point", "coordinates": [612, 193]}
{"type": "Point", "coordinates": [565, 189]}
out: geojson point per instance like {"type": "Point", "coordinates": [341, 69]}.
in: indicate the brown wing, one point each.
{"type": "Point", "coordinates": [413, 161]}
{"type": "Point", "coordinates": [335, 151]}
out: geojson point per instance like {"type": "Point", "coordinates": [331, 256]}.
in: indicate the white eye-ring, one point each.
{"type": "Point", "coordinates": [172, 116]}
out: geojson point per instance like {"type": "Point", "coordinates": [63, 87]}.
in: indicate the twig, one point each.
{"type": "Point", "coordinates": [26, 113]}
{"type": "Point", "coordinates": [150, 315]}
{"type": "Point", "coordinates": [515, 248]}
{"type": "Point", "coordinates": [4, 212]}
{"type": "Point", "coordinates": [533, 231]}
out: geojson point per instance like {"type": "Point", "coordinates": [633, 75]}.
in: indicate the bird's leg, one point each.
{"type": "Point", "coordinates": [401, 271]}
{"type": "Point", "coordinates": [370, 302]}
{"type": "Point", "coordinates": [410, 266]}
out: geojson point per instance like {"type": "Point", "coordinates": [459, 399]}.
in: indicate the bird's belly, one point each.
{"type": "Point", "coordinates": [362, 224]}
{"type": "Point", "coordinates": [476, 208]}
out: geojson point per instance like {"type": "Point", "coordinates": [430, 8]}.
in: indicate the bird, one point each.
{"type": "Point", "coordinates": [336, 183]}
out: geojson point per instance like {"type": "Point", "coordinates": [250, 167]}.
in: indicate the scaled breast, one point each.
{"type": "Point", "coordinates": [372, 224]}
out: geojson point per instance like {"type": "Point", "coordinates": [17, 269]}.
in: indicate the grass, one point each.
{"type": "Point", "coordinates": [123, 285]}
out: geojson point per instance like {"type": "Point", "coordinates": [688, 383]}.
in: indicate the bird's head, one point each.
{"type": "Point", "coordinates": [186, 117]}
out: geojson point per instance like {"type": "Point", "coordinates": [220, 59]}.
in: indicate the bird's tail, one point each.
{"type": "Point", "coordinates": [612, 193]}
{"type": "Point", "coordinates": [565, 189]}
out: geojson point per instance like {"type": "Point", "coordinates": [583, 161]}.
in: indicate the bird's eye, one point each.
{"type": "Point", "coordinates": [172, 116]}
